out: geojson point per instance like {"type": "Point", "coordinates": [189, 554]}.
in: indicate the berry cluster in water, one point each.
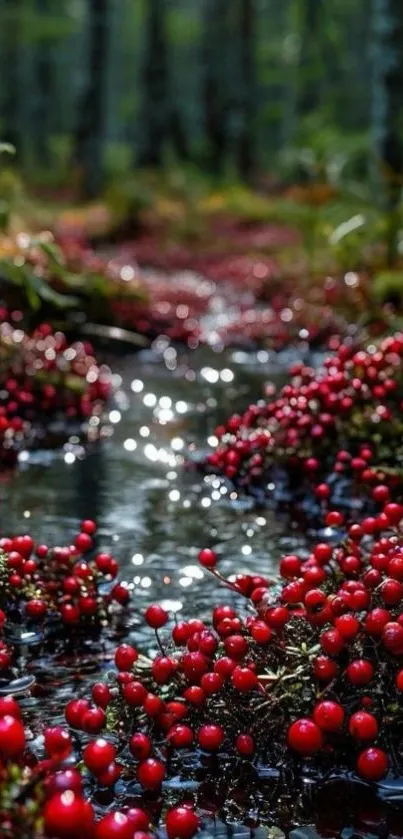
{"type": "Point", "coordinates": [46, 796]}
{"type": "Point", "coordinates": [309, 668]}
{"type": "Point", "coordinates": [71, 586]}
{"type": "Point", "coordinates": [43, 376]}
{"type": "Point", "coordinates": [343, 420]}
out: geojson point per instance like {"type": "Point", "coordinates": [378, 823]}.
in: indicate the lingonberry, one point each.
{"type": "Point", "coordinates": [305, 737]}
{"type": "Point", "coordinates": [372, 764]}
{"type": "Point", "coordinates": [75, 710]}
{"type": "Point", "coordinates": [392, 637]}
{"type": "Point", "coordinates": [332, 642]}
{"type": "Point", "coordinates": [156, 616]}
{"type": "Point", "coordinates": [66, 814]}
{"type": "Point", "coordinates": [324, 668]}
{"type": "Point", "coordinates": [208, 558]}
{"type": "Point", "coordinates": [328, 715]}
{"type": "Point", "coordinates": [57, 742]}
{"type": "Point", "coordinates": [134, 693]}
{"type": "Point", "coordinates": [360, 672]}
{"type": "Point", "coordinates": [140, 745]}
{"type": "Point", "coordinates": [125, 657]}
{"type": "Point", "coordinates": [244, 679]}
{"type": "Point", "coordinates": [101, 694]}
{"type": "Point", "coordinates": [363, 726]}
{"type": "Point", "coordinates": [180, 736]}
{"type": "Point", "coordinates": [98, 755]}
{"type": "Point", "coordinates": [93, 720]}
{"type": "Point", "coordinates": [181, 823]}
{"type": "Point", "coordinates": [245, 745]}
{"type": "Point", "coordinates": [9, 707]}
{"type": "Point", "coordinates": [348, 626]}
{"type": "Point", "coordinates": [115, 825]}
{"type": "Point", "coordinates": [12, 737]}
{"type": "Point", "coordinates": [210, 737]}
{"type": "Point", "coordinates": [151, 773]}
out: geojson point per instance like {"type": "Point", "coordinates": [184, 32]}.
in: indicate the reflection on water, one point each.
{"type": "Point", "coordinates": [152, 511]}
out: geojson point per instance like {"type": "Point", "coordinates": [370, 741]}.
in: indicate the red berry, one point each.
{"type": "Point", "coordinates": [208, 558]}
{"type": "Point", "coordinates": [101, 694]}
{"type": "Point", "coordinates": [94, 720]}
{"type": "Point", "coordinates": [305, 737]}
{"type": "Point", "coordinates": [75, 710]}
{"type": "Point", "coordinates": [88, 526]}
{"type": "Point", "coordinates": [83, 542]}
{"type": "Point", "coordinates": [66, 814]}
{"type": "Point", "coordinates": [98, 755]}
{"type": "Point", "coordinates": [12, 737]}
{"type": "Point", "coordinates": [181, 823]}
{"type": "Point", "coordinates": [57, 742]}
{"type": "Point", "coordinates": [125, 657]}
{"type": "Point", "coordinates": [360, 672]}
{"type": "Point", "coordinates": [156, 616]}
{"type": "Point", "coordinates": [211, 737]}
{"type": "Point", "coordinates": [140, 745]}
{"type": "Point", "coordinates": [332, 642]}
{"type": "Point", "coordinates": [180, 736]}
{"type": "Point", "coordinates": [392, 637]}
{"type": "Point", "coordinates": [245, 745]}
{"type": "Point", "coordinates": [393, 512]}
{"type": "Point", "coordinates": [9, 707]}
{"type": "Point", "coordinates": [363, 726]}
{"type": "Point", "coordinates": [328, 715]}
{"type": "Point", "coordinates": [114, 826]}
{"type": "Point", "coordinates": [348, 626]}
{"type": "Point", "coordinates": [324, 668]}
{"type": "Point", "coordinates": [151, 773]}
{"type": "Point", "coordinates": [372, 764]}
{"type": "Point", "coordinates": [244, 679]}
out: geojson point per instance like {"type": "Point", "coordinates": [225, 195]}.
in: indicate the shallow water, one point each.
{"type": "Point", "coordinates": [154, 511]}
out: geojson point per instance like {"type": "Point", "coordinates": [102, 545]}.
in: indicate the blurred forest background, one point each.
{"type": "Point", "coordinates": [265, 92]}
{"type": "Point", "coordinates": [234, 86]}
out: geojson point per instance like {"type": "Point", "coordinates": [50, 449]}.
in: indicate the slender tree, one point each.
{"type": "Point", "coordinates": [310, 65]}
{"type": "Point", "coordinates": [154, 123]}
{"type": "Point", "coordinates": [44, 89]}
{"type": "Point", "coordinates": [387, 107]}
{"type": "Point", "coordinates": [10, 22]}
{"type": "Point", "coordinates": [246, 151]}
{"type": "Point", "coordinates": [215, 90]}
{"type": "Point", "coordinates": [90, 130]}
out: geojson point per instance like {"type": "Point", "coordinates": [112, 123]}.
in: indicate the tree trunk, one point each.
{"type": "Point", "coordinates": [90, 132]}
{"type": "Point", "coordinates": [215, 93]}
{"type": "Point", "coordinates": [247, 136]}
{"type": "Point", "coordinates": [387, 116]}
{"type": "Point", "coordinates": [309, 63]}
{"type": "Point", "coordinates": [10, 82]}
{"type": "Point", "coordinates": [155, 88]}
{"type": "Point", "coordinates": [43, 80]}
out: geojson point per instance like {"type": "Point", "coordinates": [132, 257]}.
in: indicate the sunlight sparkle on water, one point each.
{"type": "Point", "coordinates": [130, 445]}
{"type": "Point", "coordinates": [137, 386]}
{"type": "Point", "coordinates": [115, 417]}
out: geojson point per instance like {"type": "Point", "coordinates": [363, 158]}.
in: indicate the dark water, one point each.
{"type": "Point", "coordinates": [155, 513]}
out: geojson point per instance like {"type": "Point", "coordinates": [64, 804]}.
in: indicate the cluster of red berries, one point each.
{"type": "Point", "coordinates": [43, 583]}
{"type": "Point", "coordinates": [316, 664]}
{"type": "Point", "coordinates": [43, 376]}
{"type": "Point", "coordinates": [47, 796]}
{"type": "Point", "coordinates": [341, 419]}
